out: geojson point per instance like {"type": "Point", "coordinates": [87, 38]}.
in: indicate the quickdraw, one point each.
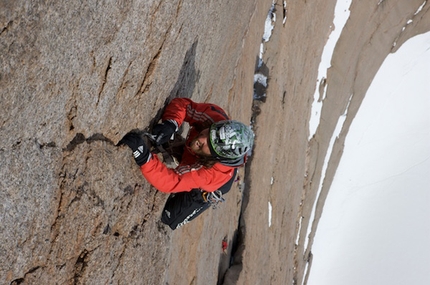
{"type": "Point", "coordinates": [213, 198]}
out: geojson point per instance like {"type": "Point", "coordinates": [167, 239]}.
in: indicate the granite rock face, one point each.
{"type": "Point", "coordinates": [287, 168]}
{"type": "Point", "coordinates": [75, 77]}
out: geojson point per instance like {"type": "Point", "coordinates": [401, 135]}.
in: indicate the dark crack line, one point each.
{"type": "Point", "coordinates": [81, 265]}
{"type": "Point", "coordinates": [80, 138]}
{"type": "Point", "coordinates": [148, 74]}
{"type": "Point", "coordinates": [123, 80]}
{"type": "Point", "coordinates": [6, 27]}
{"type": "Point", "coordinates": [22, 279]}
{"type": "Point", "coordinates": [72, 115]}
{"type": "Point", "coordinates": [119, 261]}
{"type": "Point", "coordinates": [104, 80]}
{"type": "Point", "coordinates": [46, 145]}
{"type": "Point", "coordinates": [57, 216]}
{"type": "Point", "coordinates": [147, 79]}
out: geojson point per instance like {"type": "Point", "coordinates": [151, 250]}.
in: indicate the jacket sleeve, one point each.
{"type": "Point", "coordinates": [184, 109]}
{"type": "Point", "coordinates": [171, 181]}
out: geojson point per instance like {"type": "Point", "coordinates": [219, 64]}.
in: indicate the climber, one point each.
{"type": "Point", "coordinates": [214, 148]}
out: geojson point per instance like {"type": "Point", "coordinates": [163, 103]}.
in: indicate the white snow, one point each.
{"type": "Point", "coordinates": [269, 24]}
{"type": "Point", "coordinates": [270, 213]}
{"type": "Point", "coordinates": [285, 11]}
{"type": "Point", "coordinates": [260, 56]}
{"type": "Point", "coordinates": [376, 214]}
{"type": "Point", "coordinates": [421, 7]}
{"type": "Point", "coordinates": [300, 228]}
{"type": "Point", "coordinates": [260, 78]}
{"type": "Point", "coordinates": [268, 27]}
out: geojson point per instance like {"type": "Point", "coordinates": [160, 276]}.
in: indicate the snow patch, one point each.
{"type": "Point", "coordinates": [284, 13]}
{"type": "Point", "coordinates": [260, 86]}
{"type": "Point", "coordinates": [270, 213]}
{"type": "Point", "coordinates": [260, 78]}
{"type": "Point", "coordinates": [269, 24]}
{"type": "Point", "coordinates": [420, 8]}
{"type": "Point", "coordinates": [300, 228]}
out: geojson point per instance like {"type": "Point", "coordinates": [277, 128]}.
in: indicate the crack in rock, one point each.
{"type": "Point", "coordinates": [22, 279]}
{"type": "Point", "coordinates": [80, 266]}
{"type": "Point", "coordinates": [6, 27]}
{"type": "Point", "coordinates": [80, 138]}
{"type": "Point", "coordinates": [104, 80]}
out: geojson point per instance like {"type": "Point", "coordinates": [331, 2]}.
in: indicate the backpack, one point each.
{"type": "Point", "coordinates": [183, 207]}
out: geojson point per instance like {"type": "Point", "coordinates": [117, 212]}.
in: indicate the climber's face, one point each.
{"type": "Point", "coordinates": [200, 144]}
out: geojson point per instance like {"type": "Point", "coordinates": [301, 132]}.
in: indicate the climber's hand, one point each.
{"type": "Point", "coordinates": [137, 144]}
{"type": "Point", "coordinates": [164, 131]}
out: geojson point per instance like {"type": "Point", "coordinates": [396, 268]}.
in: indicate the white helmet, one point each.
{"type": "Point", "coordinates": [230, 139]}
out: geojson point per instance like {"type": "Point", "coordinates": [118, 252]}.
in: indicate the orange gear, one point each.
{"type": "Point", "coordinates": [224, 245]}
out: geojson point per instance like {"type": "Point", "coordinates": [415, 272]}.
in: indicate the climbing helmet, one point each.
{"type": "Point", "coordinates": [230, 139]}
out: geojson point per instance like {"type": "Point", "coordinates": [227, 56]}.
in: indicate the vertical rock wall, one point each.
{"type": "Point", "coordinates": [75, 76]}
{"type": "Point", "coordinates": [287, 167]}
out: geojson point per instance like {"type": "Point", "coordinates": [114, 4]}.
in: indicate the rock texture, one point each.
{"type": "Point", "coordinates": [76, 76]}
{"type": "Point", "coordinates": [293, 169]}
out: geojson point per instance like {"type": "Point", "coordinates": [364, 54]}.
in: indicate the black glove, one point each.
{"type": "Point", "coordinates": [138, 146]}
{"type": "Point", "coordinates": [163, 132]}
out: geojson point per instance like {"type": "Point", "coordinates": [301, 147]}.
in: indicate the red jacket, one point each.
{"type": "Point", "coordinates": [189, 174]}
